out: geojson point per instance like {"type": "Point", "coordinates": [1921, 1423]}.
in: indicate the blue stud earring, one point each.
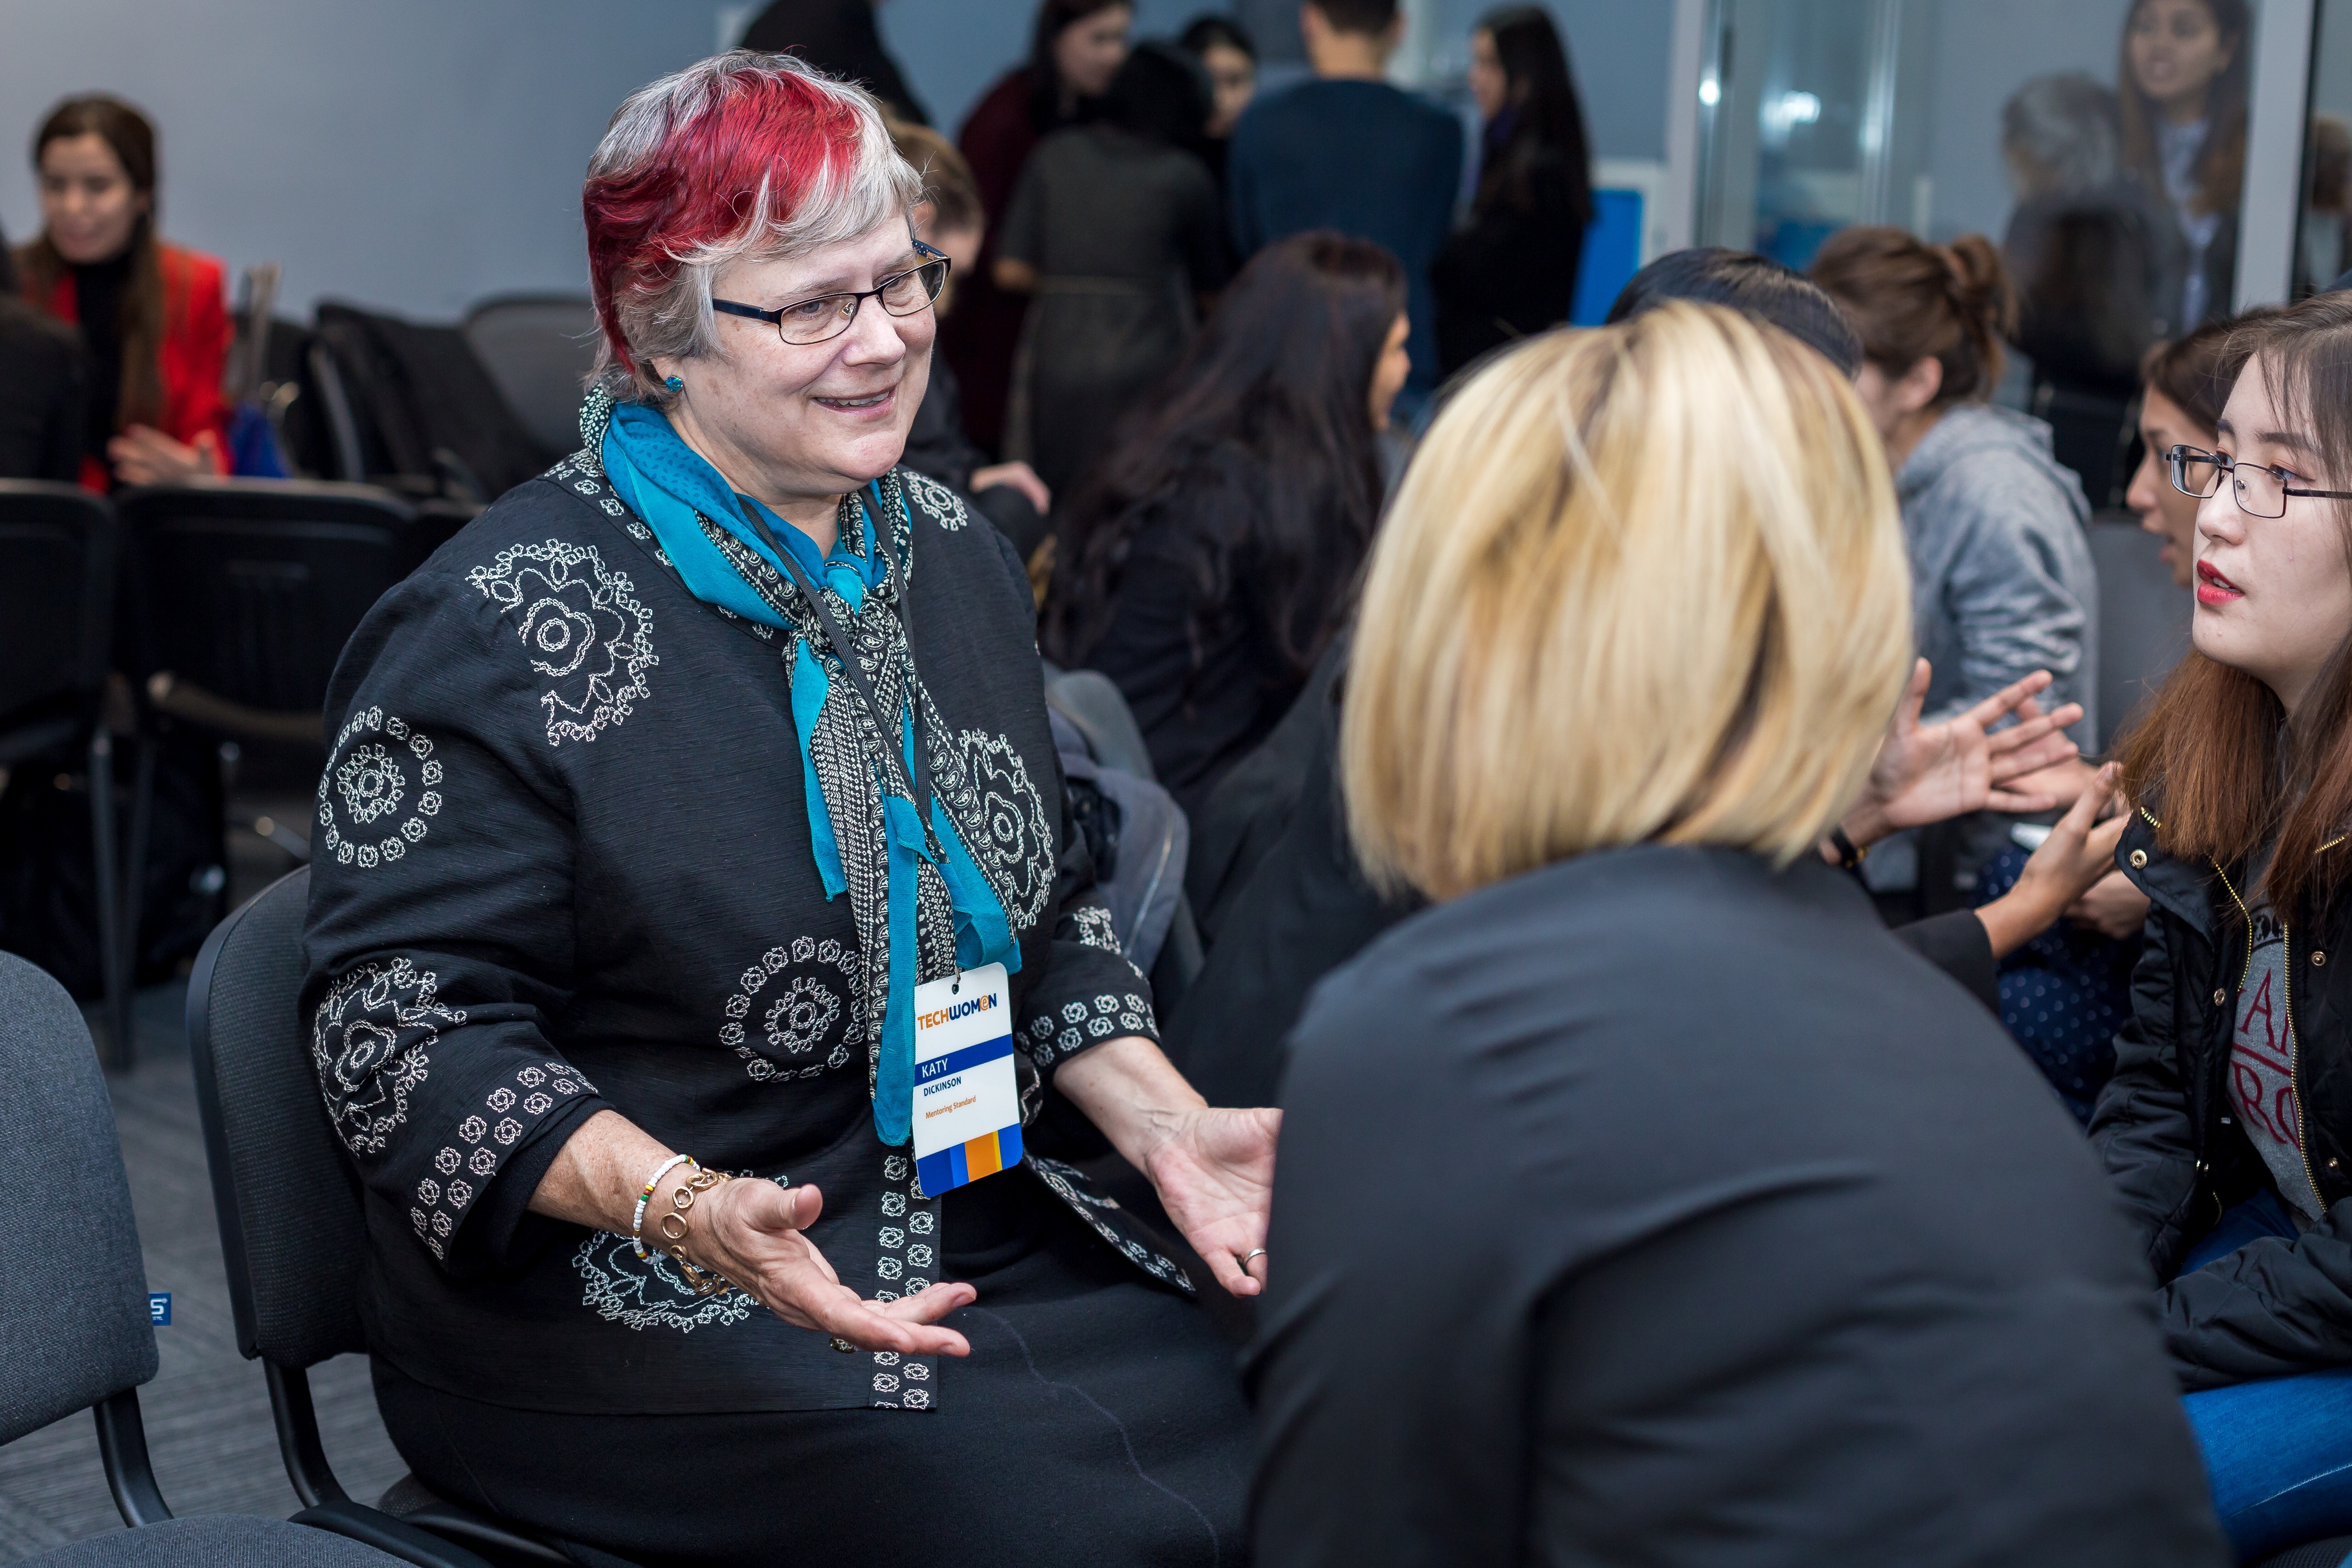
{"type": "Point", "coordinates": [675, 383]}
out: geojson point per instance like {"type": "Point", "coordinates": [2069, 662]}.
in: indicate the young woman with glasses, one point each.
{"type": "Point", "coordinates": [2228, 1124]}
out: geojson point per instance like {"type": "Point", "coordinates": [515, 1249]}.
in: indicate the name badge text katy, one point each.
{"type": "Point", "coordinates": [967, 1102]}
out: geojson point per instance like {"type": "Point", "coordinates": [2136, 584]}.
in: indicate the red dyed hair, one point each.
{"type": "Point", "coordinates": [741, 154]}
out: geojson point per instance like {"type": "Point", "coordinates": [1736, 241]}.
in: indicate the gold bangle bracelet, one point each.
{"type": "Point", "coordinates": [676, 1229]}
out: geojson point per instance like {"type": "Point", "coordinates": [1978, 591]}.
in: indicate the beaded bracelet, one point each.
{"type": "Point", "coordinates": [637, 1220]}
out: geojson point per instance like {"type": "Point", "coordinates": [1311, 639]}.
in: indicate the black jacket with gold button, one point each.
{"type": "Point", "coordinates": [2177, 1152]}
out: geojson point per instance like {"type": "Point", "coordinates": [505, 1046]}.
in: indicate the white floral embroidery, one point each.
{"type": "Point", "coordinates": [946, 508]}
{"type": "Point", "coordinates": [648, 1292]}
{"type": "Point", "coordinates": [1015, 843]}
{"type": "Point", "coordinates": [897, 1197]}
{"type": "Point", "coordinates": [800, 1012]}
{"type": "Point", "coordinates": [371, 1043]}
{"type": "Point", "coordinates": [582, 629]}
{"type": "Point", "coordinates": [367, 786]}
{"type": "Point", "coordinates": [446, 1203]}
{"type": "Point", "coordinates": [1090, 924]}
{"type": "Point", "coordinates": [1064, 1183]}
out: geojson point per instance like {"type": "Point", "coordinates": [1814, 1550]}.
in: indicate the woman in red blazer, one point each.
{"type": "Point", "coordinates": [152, 313]}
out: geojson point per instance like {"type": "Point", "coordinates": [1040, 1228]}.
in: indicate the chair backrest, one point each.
{"type": "Point", "coordinates": [250, 588]}
{"type": "Point", "coordinates": [57, 553]}
{"type": "Point", "coordinates": [2143, 620]}
{"type": "Point", "coordinates": [427, 409]}
{"type": "Point", "coordinates": [1092, 700]}
{"type": "Point", "coordinates": [292, 1231]}
{"type": "Point", "coordinates": [74, 1328]}
{"type": "Point", "coordinates": [539, 348]}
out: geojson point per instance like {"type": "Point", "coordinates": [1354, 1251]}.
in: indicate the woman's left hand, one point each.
{"type": "Point", "coordinates": [1213, 1168]}
{"type": "Point", "coordinates": [1214, 1175]}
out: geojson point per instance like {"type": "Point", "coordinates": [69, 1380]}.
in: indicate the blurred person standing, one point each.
{"type": "Point", "coordinates": [1216, 556]}
{"type": "Point", "coordinates": [2183, 84]}
{"type": "Point", "coordinates": [2097, 261]}
{"type": "Point", "coordinates": [43, 386]}
{"type": "Point", "coordinates": [949, 219]}
{"type": "Point", "coordinates": [1229, 55]}
{"type": "Point", "coordinates": [1349, 152]}
{"type": "Point", "coordinates": [1666, 1266]}
{"type": "Point", "coordinates": [1511, 271]}
{"type": "Point", "coordinates": [150, 313]}
{"type": "Point", "coordinates": [841, 38]}
{"type": "Point", "coordinates": [1114, 234]}
{"type": "Point", "coordinates": [1076, 46]}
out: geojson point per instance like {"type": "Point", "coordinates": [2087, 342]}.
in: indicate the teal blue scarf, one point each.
{"type": "Point", "coordinates": [674, 489]}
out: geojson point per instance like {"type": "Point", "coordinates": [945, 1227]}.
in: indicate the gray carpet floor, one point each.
{"type": "Point", "coordinates": [207, 1412]}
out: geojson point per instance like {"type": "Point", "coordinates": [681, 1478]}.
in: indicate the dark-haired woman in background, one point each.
{"type": "Point", "coordinates": [2183, 78]}
{"type": "Point", "coordinates": [1511, 271]}
{"type": "Point", "coordinates": [1074, 48]}
{"type": "Point", "coordinates": [1229, 55]}
{"type": "Point", "coordinates": [150, 313]}
{"type": "Point", "coordinates": [1213, 556]}
{"type": "Point", "coordinates": [1115, 231]}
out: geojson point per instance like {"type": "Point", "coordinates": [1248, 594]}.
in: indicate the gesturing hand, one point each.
{"type": "Point", "coordinates": [1214, 1173]}
{"type": "Point", "coordinates": [2079, 852]}
{"type": "Point", "coordinates": [1927, 774]}
{"type": "Point", "coordinates": [751, 1233]}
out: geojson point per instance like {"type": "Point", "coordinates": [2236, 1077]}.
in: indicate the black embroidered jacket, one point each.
{"type": "Point", "coordinates": [562, 862]}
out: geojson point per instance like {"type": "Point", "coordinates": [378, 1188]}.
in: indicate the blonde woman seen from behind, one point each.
{"type": "Point", "coordinates": [1617, 1213]}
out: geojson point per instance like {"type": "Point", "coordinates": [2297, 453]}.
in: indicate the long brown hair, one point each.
{"type": "Point", "coordinates": [1911, 301]}
{"type": "Point", "coordinates": [1271, 403]}
{"type": "Point", "coordinates": [127, 131]}
{"type": "Point", "coordinates": [2214, 762]}
{"type": "Point", "coordinates": [2222, 163]}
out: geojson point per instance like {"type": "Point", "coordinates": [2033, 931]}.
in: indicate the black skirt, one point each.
{"type": "Point", "coordinates": [1098, 1420]}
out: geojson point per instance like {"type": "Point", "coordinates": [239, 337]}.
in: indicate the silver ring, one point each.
{"type": "Point", "coordinates": [1252, 1252]}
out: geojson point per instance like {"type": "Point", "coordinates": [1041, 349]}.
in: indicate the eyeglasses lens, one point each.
{"type": "Point", "coordinates": [911, 290]}
{"type": "Point", "coordinates": [2260, 492]}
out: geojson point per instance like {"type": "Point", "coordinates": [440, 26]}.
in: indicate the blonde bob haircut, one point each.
{"type": "Point", "coordinates": [1644, 583]}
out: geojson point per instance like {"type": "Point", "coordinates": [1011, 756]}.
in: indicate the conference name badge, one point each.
{"type": "Point", "coordinates": [967, 1116]}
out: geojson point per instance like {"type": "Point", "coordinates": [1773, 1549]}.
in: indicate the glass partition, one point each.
{"type": "Point", "coordinates": [2100, 144]}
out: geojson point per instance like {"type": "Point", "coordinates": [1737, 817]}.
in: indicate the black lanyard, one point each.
{"type": "Point", "coordinates": [886, 725]}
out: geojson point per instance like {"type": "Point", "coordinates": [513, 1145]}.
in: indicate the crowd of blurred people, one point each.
{"type": "Point", "coordinates": [1761, 1079]}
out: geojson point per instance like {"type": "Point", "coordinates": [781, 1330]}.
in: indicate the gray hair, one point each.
{"type": "Point", "coordinates": [2061, 133]}
{"type": "Point", "coordinates": [662, 306]}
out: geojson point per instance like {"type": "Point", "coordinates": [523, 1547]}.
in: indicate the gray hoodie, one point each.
{"type": "Point", "coordinates": [2002, 585]}
{"type": "Point", "coordinates": [2002, 579]}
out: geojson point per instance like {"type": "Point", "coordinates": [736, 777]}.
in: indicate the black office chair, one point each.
{"type": "Point", "coordinates": [240, 595]}
{"type": "Point", "coordinates": [74, 1327]}
{"type": "Point", "coordinates": [539, 348]}
{"type": "Point", "coordinates": [292, 1231]}
{"type": "Point", "coordinates": [58, 558]}
{"type": "Point", "coordinates": [243, 592]}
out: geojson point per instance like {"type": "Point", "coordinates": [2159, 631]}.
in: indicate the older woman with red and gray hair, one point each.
{"type": "Point", "coordinates": [703, 969]}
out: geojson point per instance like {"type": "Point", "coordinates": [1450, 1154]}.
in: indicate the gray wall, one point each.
{"type": "Point", "coordinates": [416, 155]}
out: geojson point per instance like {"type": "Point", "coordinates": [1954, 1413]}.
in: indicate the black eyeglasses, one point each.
{"type": "Point", "coordinates": [2261, 492]}
{"type": "Point", "coordinates": [828, 316]}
